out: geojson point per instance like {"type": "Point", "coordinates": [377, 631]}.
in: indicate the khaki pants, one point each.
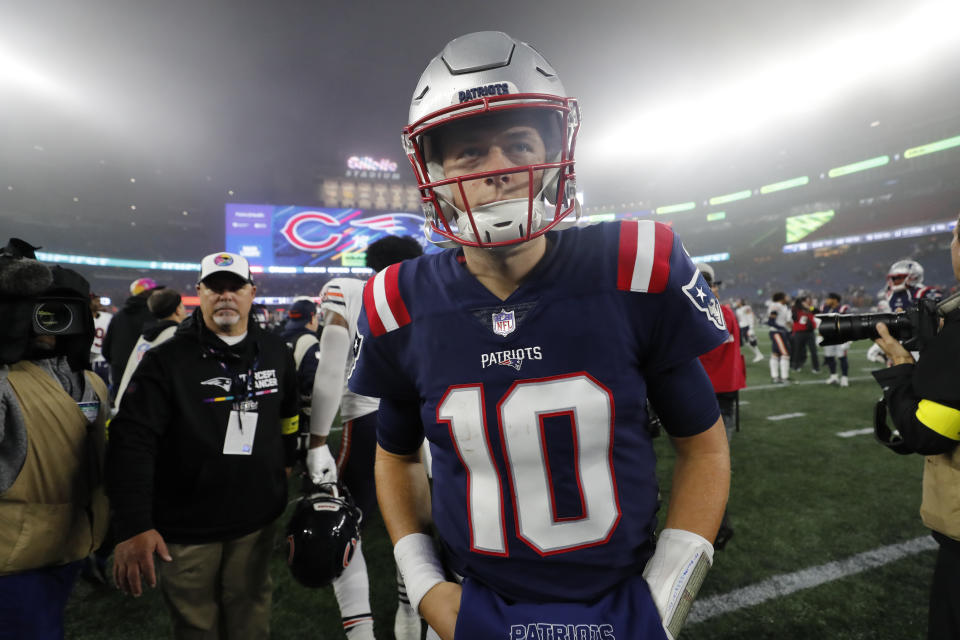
{"type": "Point", "coordinates": [222, 590]}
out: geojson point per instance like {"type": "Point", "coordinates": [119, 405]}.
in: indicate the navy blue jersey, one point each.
{"type": "Point", "coordinates": [535, 407]}
{"type": "Point", "coordinates": [908, 297]}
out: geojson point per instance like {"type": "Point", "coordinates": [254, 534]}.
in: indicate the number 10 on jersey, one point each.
{"type": "Point", "coordinates": [520, 415]}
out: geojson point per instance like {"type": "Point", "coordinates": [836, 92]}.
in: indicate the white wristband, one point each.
{"type": "Point", "coordinates": [419, 565]}
{"type": "Point", "coordinates": [675, 573]}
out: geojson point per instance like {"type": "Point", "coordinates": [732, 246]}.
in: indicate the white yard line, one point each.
{"type": "Point", "coordinates": [786, 416]}
{"type": "Point", "coordinates": [855, 432]}
{"type": "Point", "coordinates": [785, 584]}
{"type": "Point", "coordinates": [791, 383]}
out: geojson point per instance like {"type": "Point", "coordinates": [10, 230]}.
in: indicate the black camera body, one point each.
{"type": "Point", "coordinates": [914, 327]}
{"type": "Point", "coordinates": [36, 300]}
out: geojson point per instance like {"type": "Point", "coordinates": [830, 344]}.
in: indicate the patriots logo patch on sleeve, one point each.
{"type": "Point", "coordinates": [699, 294]}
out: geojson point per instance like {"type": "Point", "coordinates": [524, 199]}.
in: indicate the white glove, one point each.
{"type": "Point", "coordinates": [320, 465]}
{"type": "Point", "coordinates": [675, 573]}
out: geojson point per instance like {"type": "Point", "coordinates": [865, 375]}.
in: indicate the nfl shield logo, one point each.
{"type": "Point", "coordinates": [504, 322]}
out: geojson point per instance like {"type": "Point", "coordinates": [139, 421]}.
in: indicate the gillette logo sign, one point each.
{"type": "Point", "coordinates": [366, 163]}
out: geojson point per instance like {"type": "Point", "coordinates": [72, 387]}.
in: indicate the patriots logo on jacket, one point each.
{"type": "Point", "coordinates": [704, 300]}
{"type": "Point", "coordinates": [220, 381]}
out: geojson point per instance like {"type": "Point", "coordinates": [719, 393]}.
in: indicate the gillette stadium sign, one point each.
{"type": "Point", "coordinates": [367, 167]}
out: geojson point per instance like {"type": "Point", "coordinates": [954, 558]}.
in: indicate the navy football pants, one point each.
{"type": "Point", "coordinates": [626, 613]}
{"type": "Point", "coordinates": [358, 449]}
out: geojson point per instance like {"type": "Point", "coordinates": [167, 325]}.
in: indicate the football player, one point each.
{"type": "Point", "coordinates": [746, 320]}
{"type": "Point", "coordinates": [903, 290]}
{"type": "Point", "coordinates": [525, 354]}
{"type": "Point", "coordinates": [341, 299]}
{"type": "Point", "coordinates": [834, 352]}
{"type": "Point", "coordinates": [905, 286]}
{"type": "Point", "coordinates": [778, 319]}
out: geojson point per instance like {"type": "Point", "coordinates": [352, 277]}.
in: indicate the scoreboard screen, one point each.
{"type": "Point", "coordinates": [292, 239]}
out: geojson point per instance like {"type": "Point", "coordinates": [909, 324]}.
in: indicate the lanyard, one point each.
{"type": "Point", "coordinates": [241, 392]}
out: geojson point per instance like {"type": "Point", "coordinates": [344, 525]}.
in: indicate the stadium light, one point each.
{"type": "Point", "coordinates": [731, 197]}
{"type": "Point", "coordinates": [794, 82]}
{"type": "Point", "coordinates": [856, 167]}
{"type": "Point", "coordinates": [21, 73]}
{"type": "Point", "coordinates": [713, 257]}
{"type": "Point", "coordinates": [676, 208]}
{"type": "Point", "coordinates": [95, 261]}
{"type": "Point", "coordinates": [598, 217]}
{"type": "Point", "coordinates": [716, 215]}
{"type": "Point", "coordinates": [932, 147]}
{"type": "Point", "coordinates": [784, 185]}
{"type": "Point", "coordinates": [874, 236]}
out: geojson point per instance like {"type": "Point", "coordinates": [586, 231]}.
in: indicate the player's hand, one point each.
{"type": "Point", "coordinates": [133, 559]}
{"type": "Point", "coordinates": [320, 465]}
{"type": "Point", "coordinates": [892, 347]}
{"type": "Point", "coordinates": [440, 608]}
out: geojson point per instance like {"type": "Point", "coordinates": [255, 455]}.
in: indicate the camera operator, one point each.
{"type": "Point", "coordinates": [923, 400]}
{"type": "Point", "coordinates": [53, 510]}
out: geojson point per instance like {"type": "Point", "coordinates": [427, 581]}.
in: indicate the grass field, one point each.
{"type": "Point", "coordinates": [802, 497]}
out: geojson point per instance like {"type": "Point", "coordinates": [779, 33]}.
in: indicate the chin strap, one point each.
{"type": "Point", "coordinates": [490, 209]}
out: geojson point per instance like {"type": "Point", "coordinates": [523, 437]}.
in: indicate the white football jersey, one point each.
{"type": "Point", "coordinates": [100, 324]}
{"type": "Point", "coordinates": [344, 296]}
{"type": "Point", "coordinates": [745, 317]}
{"type": "Point", "coordinates": [781, 312]}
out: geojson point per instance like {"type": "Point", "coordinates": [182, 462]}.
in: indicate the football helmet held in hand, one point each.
{"type": "Point", "coordinates": [322, 534]}
{"type": "Point", "coordinates": [321, 467]}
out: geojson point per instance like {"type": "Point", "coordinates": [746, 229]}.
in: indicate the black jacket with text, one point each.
{"type": "Point", "coordinates": [166, 466]}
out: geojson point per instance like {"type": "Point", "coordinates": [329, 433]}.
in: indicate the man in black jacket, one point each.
{"type": "Point", "coordinates": [197, 457]}
{"type": "Point", "coordinates": [125, 327]}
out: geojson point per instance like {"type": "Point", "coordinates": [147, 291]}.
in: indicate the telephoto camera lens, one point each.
{"type": "Point", "coordinates": [837, 329]}
{"type": "Point", "coordinates": [52, 318]}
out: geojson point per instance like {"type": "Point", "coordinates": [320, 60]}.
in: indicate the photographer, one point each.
{"type": "Point", "coordinates": [923, 400]}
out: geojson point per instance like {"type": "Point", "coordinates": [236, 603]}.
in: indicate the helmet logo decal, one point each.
{"type": "Point", "coordinates": [496, 89]}
{"type": "Point", "coordinates": [504, 322]}
{"type": "Point", "coordinates": [348, 552]}
{"type": "Point", "coordinates": [293, 235]}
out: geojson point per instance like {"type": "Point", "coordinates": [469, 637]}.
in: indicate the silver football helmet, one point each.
{"type": "Point", "coordinates": [903, 274]}
{"type": "Point", "coordinates": [480, 78]}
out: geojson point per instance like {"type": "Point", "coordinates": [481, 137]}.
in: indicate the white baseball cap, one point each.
{"type": "Point", "coordinates": [224, 262]}
{"type": "Point", "coordinates": [707, 272]}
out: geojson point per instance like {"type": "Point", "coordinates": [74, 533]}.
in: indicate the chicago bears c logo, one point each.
{"type": "Point", "coordinates": [291, 231]}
